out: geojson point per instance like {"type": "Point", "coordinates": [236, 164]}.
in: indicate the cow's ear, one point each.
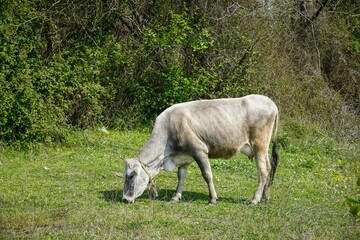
{"type": "Point", "coordinates": [127, 163]}
{"type": "Point", "coordinates": [137, 168]}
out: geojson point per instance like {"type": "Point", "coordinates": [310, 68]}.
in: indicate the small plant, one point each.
{"type": "Point", "coordinates": [354, 205]}
{"type": "Point", "coordinates": [283, 139]}
{"type": "Point", "coordinates": [308, 164]}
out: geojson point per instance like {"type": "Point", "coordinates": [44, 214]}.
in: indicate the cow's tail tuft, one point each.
{"type": "Point", "coordinates": [274, 155]}
{"type": "Point", "coordinates": [274, 163]}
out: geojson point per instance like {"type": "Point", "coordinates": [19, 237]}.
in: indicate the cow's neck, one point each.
{"type": "Point", "coordinates": [152, 153]}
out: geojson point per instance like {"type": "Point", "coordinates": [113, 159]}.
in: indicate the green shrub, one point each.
{"type": "Point", "coordinates": [173, 71]}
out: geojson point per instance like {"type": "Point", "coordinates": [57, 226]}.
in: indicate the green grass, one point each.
{"type": "Point", "coordinates": [70, 192]}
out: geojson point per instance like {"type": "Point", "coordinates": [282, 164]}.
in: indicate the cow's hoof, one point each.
{"type": "Point", "coordinates": [153, 193]}
{"type": "Point", "coordinates": [254, 202]}
{"type": "Point", "coordinates": [176, 198]}
{"type": "Point", "coordinates": [212, 203]}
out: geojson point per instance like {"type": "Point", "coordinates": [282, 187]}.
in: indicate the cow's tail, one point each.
{"type": "Point", "coordinates": [274, 154]}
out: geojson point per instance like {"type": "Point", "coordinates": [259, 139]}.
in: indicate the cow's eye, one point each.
{"type": "Point", "coordinates": [130, 177]}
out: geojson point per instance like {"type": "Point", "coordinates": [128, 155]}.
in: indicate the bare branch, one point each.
{"type": "Point", "coordinates": [317, 13]}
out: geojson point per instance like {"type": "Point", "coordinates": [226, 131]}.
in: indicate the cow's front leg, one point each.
{"type": "Point", "coordinates": [181, 179]}
{"type": "Point", "coordinates": [203, 162]}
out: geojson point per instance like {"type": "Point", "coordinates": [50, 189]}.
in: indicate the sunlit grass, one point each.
{"type": "Point", "coordinates": [70, 191]}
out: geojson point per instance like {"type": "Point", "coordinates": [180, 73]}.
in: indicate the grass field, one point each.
{"type": "Point", "coordinates": [70, 191]}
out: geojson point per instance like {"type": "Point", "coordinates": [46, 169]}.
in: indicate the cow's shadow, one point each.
{"type": "Point", "coordinates": [165, 195]}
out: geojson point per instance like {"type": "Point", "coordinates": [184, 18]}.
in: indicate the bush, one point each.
{"type": "Point", "coordinates": [121, 63]}
{"type": "Point", "coordinates": [172, 67]}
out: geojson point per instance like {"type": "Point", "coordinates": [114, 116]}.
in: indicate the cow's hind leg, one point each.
{"type": "Point", "coordinates": [262, 191]}
{"type": "Point", "coordinates": [266, 193]}
{"type": "Point", "coordinates": [181, 179]}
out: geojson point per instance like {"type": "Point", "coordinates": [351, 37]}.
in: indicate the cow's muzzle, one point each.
{"type": "Point", "coordinates": [128, 201]}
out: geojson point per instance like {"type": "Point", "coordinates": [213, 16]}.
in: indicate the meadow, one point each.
{"type": "Point", "coordinates": [71, 191]}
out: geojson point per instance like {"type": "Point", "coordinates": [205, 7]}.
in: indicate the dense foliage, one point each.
{"type": "Point", "coordinates": [81, 64]}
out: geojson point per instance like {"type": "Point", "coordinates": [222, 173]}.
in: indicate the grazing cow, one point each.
{"type": "Point", "coordinates": [204, 129]}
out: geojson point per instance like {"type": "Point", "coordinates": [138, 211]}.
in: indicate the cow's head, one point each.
{"type": "Point", "coordinates": [135, 181]}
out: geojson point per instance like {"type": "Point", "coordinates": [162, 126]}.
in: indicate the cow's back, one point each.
{"type": "Point", "coordinates": [224, 125]}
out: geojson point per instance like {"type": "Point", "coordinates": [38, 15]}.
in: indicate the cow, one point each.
{"type": "Point", "coordinates": [203, 129]}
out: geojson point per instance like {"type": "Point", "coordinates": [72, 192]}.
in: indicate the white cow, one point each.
{"type": "Point", "coordinates": [199, 130]}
